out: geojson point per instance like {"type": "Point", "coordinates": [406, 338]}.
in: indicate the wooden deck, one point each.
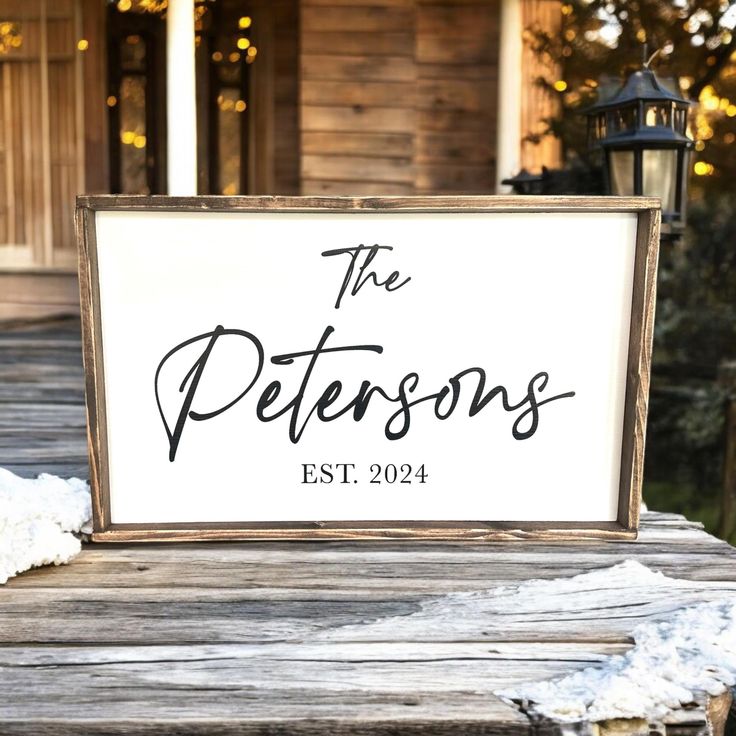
{"type": "Point", "coordinates": [42, 421]}
{"type": "Point", "coordinates": [304, 638]}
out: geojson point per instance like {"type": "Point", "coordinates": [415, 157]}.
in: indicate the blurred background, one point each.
{"type": "Point", "coordinates": [380, 97]}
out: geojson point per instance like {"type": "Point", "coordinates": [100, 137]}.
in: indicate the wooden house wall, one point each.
{"type": "Point", "coordinates": [398, 96]}
{"type": "Point", "coordinates": [285, 133]}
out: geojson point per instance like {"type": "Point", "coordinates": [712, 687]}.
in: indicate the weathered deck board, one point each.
{"type": "Point", "coordinates": [300, 638]}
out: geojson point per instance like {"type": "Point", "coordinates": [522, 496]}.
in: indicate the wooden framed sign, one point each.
{"type": "Point", "coordinates": [324, 368]}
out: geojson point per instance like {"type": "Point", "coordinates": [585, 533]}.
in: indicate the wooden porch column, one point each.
{"type": "Point", "coordinates": [508, 149]}
{"type": "Point", "coordinates": [181, 123]}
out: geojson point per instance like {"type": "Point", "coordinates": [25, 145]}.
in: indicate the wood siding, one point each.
{"type": "Point", "coordinates": [41, 134]}
{"type": "Point", "coordinates": [538, 103]}
{"type": "Point", "coordinates": [398, 96]}
{"type": "Point", "coordinates": [285, 37]}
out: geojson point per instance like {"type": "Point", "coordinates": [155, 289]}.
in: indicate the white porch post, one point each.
{"type": "Point", "coordinates": [181, 113]}
{"type": "Point", "coordinates": [508, 144]}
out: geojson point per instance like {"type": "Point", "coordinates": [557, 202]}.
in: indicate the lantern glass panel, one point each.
{"type": "Point", "coordinates": [659, 176]}
{"type": "Point", "coordinates": [658, 115]}
{"type": "Point", "coordinates": [681, 120]}
{"type": "Point", "coordinates": [684, 174]}
{"type": "Point", "coordinates": [601, 126]}
{"type": "Point", "coordinates": [621, 164]}
{"type": "Point", "coordinates": [622, 119]}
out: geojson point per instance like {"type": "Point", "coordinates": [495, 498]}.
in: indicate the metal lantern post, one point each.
{"type": "Point", "coordinates": [642, 132]}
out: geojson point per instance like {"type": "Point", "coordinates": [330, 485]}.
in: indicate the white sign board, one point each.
{"type": "Point", "coordinates": [325, 369]}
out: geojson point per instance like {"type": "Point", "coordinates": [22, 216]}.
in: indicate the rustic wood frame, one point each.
{"type": "Point", "coordinates": [637, 380]}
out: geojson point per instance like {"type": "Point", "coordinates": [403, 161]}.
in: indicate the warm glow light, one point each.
{"type": "Point", "coordinates": [699, 145]}
{"type": "Point", "coordinates": [235, 56]}
{"type": "Point", "coordinates": [243, 43]}
{"type": "Point", "coordinates": [560, 85]}
{"type": "Point", "coordinates": [217, 56]}
{"type": "Point", "coordinates": [702, 168]}
{"type": "Point", "coordinates": [244, 22]}
{"type": "Point", "coordinates": [139, 141]}
{"type": "Point", "coordinates": [83, 44]}
{"type": "Point", "coordinates": [112, 101]}
{"type": "Point", "coordinates": [731, 111]}
{"type": "Point", "coordinates": [252, 51]}
{"type": "Point", "coordinates": [127, 137]}
{"type": "Point", "coordinates": [240, 106]}
{"type": "Point", "coordinates": [124, 5]}
{"type": "Point", "coordinates": [641, 35]}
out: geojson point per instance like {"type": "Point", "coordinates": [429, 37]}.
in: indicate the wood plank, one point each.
{"type": "Point", "coordinates": [432, 147]}
{"type": "Point", "coordinates": [188, 705]}
{"type": "Point", "coordinates": [358, 168]}
{"type": "Point", "coordinates": [380, 94]}
{"type": "Point", "coordinates": [358, 118]}
{"type": "Point", "coordinates": [455, 178]}
{"type": "Point", "coordinates": [39, 288]}
{"type": "Point", "coordinates": [449, 49]}
{"type": "Point", "coordinates": [440, 18]}
{"type": "Point", "coordinates": [365, 18]}
{"type": "Point", "coordinates": [398, 145]}
{"type": "Point", "coordinates": [352, 3]}
{"type": "Point", "coordinates": [449, 121]}
{"type": "Point", "coordinates": [280, 613]}
{"type": "Point", "coordinates": [455, 94]}
{"type": "Point", "coordinates": [358, 68]}
{"type": "Point", "coordinates": [358, 43]}
{"type": "Point", "coordinates": [354, 188]}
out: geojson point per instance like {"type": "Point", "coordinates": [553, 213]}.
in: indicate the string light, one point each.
{"type": "Point", "coordinates": [240, 106]}
{"type": "Point", "coordinates": [83, 44]}
{"type": "Point", "coordinates": [243, 43]}
{"type": "Point", "coordinates": [702, 168]}
{"type": "Point", "coordinates": [10, 37]}
{"type": "Point", "coordinates": [112, 101]}
{"type": "Point", "coordinates": [244, 22]}
{"type": "Point", "coordinates": [560, 85]}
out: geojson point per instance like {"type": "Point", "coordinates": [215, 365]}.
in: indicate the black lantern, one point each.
{"type": "Point", "coordinates": [526, 183]}
{"type": "Point", "coordinates": [642, 131]}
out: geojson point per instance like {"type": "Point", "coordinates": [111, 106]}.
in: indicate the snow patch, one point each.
{"type": "Point", "coordinates": [38, 521]}
{"type": "Point", "coordinates": [692, 652]}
